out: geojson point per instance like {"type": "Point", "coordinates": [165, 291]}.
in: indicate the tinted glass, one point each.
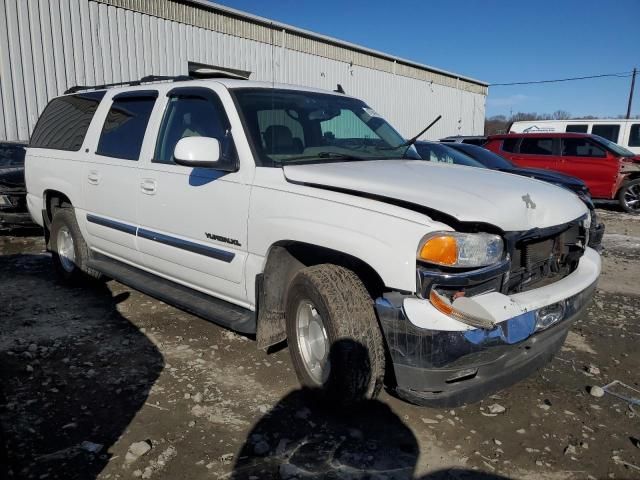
{"type": "Point", "coordinates": [581, 147]}
{"type": "Point", "coordinates": [435, 152]}
{"type": "Point", "coordinates": [613, 147]}
{"type": "Point", "coordinates": [124, 127]}
{"type": "Point", "coordinates": [537, 146]}
{"type": "Point", "coordinates": [65, 121]}
{"type": "Point", "coordinates": [509, 144]}
{"type": "Point", "coordinates": [293, 126]}
{"type": "Point", "coordinates": [11, 155]}
{"type": "Point", "coordinates": [634, 135]}
{"type": "Point", "coordinates": [486, 157]}
{"type": "Point", "coordinates": [191, 117]}
{"type": "Point", "coordinates": [610, 132]}
{"type": "Point", "coordinates": [577, 128]}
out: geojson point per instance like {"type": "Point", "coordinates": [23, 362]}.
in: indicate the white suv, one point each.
{"type": "Point", "coordinates": [301, 215]}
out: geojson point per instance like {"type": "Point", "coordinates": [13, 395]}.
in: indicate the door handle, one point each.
{"type": "Point", "coordinates": [93, 177]}
{"type": "Point", "coordinates": [148, 187]}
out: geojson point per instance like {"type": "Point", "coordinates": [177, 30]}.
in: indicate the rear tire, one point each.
{"type": "Point", "coordinates": [629, 196]}
{"type": "Point", "coordinates": [333, 334]}
{"type": "Point", "coordinates": [69, 250]}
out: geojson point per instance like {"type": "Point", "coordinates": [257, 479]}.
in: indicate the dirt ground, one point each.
{"type": "Point", "coordinates": [104, 382]}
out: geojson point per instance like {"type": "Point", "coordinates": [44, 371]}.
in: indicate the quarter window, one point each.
{"type": "Point", "coordinates": [537, 146]}
{"type": "Point", "coordinates": [124, 128]}
{"type": "Point", "coordinates": [581, 147]}
{"type": "Point", "coordinates": [582, 128]}
{"type": "Point", "coordinates": [509, 144]}
{"type": "Point", "coordinates": [634, 135]}
{"type": "Point", "coordinates": [192, 115]}
{"type": "Point", "coordinates": [610, 132]}
{"type": "Point", "coordinates": [65, 121]}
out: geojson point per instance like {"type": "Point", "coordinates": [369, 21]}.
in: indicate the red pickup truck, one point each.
{"type": "Point", "coordinates": [609, 170]}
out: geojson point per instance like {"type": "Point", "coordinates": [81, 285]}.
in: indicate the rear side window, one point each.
{"type": "Point", "coordinates": [581, 147]}
{"type": "Point", "coordinates": [577, 128]}
{"type": "Point", "coordinates": [610, 132]}
{"type": "Point", "coordinates": [65, 121]}
{"type": "Point", "coordinates": [634, 135]}
{"type": "Point", "coordinates": [126, 123]}
{"type": "Point", "coordinates": [537, 146]}
{"type": "Point", "coordinates": [509, 144]}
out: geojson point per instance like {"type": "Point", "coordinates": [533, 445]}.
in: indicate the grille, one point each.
{"type": "Point", "coordinates": [542, 260]}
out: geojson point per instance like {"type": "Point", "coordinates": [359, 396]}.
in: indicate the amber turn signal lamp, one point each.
{"type": "Point", "coordinates": [441, 250]}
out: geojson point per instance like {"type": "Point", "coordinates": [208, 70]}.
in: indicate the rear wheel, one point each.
{"type": "Point", "coordinates": [69, 250]}
{"type": "Point", "coordinates": [334, 338]}
{"type": "Point", "coordinates": [629, 196]}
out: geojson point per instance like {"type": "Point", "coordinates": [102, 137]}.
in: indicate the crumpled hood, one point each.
{"type": "Point", "coordinates": [510, 202]}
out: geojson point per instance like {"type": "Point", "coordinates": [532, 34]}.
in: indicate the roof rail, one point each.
{"type": "Point", "coordinates": [199, 74]}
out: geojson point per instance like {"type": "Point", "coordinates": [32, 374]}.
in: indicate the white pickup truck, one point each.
{"type": "Point", "coordinates": [300, 215]}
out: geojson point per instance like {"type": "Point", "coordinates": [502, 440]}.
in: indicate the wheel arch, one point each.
{"type": "Point", "coordinates": [284, 259]}
{"type": "Point", "coordinates": [52, 200]}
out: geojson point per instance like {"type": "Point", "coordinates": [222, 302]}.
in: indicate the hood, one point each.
{"type": "Point", "coordinates": [567, 181]}
{"type": "Point", "coordinates": [12, 177]}
{"type": "Point", "coordinates": [509, 202]}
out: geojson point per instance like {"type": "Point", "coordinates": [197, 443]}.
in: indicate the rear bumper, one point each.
{"type": "Point", "coordinates": [447, 364]}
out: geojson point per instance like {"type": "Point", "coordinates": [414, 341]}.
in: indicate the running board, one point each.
{"type": "Point", "coordinates": [205, 306]}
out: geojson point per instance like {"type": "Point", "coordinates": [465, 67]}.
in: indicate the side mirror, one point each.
{"type": "Point", "coordinates": [198, 152]}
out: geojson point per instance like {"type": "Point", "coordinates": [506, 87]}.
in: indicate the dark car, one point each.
{"type": "Point", "coordinates": [13, 194]}
{"type": "Point", "coordinates": [475, 156]}
{"type": "Point", "coordinates": [469, 139]}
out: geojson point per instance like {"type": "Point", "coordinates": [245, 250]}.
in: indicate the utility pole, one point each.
{"type": "Point", "coordinates": [633, 84]}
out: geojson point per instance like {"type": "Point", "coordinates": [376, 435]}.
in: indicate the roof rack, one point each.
{"type": "Point", "coordinates": [198, 74]}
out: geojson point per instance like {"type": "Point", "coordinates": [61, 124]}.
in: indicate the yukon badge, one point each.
{"type": "Point", "coordinates": [218, 238]}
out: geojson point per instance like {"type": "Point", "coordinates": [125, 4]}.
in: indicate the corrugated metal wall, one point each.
{"type": "Point", "coordinates": [47, 46]}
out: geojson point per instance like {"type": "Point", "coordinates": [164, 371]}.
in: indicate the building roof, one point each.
{"type": "Point", "coordinates": [273, 23]}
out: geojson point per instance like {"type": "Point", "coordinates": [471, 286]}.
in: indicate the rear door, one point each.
{"type": "Point", "coordinates": [591, 163]}
{"type": "Point", "coordinates": [110, 182]}
{"type": "Point", "coordinates": [537, 152]}
{"type": "Point", "coordinates": [193, 221]}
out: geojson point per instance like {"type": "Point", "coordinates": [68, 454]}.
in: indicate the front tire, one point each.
{"type": "Point", "coordinates": [333, 334]}
{"type": "Point", "coordinates": [69, 250]}
{"type": "Point", "coordinates": [629, 196]}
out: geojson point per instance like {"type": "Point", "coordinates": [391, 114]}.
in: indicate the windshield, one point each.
{"type": "Point", "coordinates": [614, 147]}
{"type": "Point", "coordinates": [11, 155]}
{"type": "Point", "coordinates": [436, 152]}
{"type": "Point", "coordinates": [488, 158]}
{"type": "Point", "coordinates": [294, 126]}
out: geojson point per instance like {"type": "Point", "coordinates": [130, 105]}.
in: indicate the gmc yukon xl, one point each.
{"type": "Point", "coordinates": [300, 215]}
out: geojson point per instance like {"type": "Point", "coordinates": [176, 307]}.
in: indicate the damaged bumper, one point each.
{"type": "Point", "coordinates": [439, 361]}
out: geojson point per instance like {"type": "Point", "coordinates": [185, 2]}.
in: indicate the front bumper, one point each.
{"type": "Point", "coordinates": [13, 210]}
{"type": "Point", "coordinates": [438, 361]}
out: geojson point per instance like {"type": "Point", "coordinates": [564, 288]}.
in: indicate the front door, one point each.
{"type": "Point", "coordinates": [193, 221]}
{"type": "Point", "coordinates": [110, 180]}
{"type": "Point", "coordinates": [591, 163]}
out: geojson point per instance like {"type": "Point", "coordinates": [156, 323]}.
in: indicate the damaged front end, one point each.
{"type": "Point", "coordinates": [469, 333]}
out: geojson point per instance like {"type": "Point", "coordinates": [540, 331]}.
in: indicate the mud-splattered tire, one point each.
{"type": "Point", "coordinates": [629, 196]}
{"type": "Point", "coordinates": [333, 303]}
{"type": "Point", "coordinates": [69, 250]}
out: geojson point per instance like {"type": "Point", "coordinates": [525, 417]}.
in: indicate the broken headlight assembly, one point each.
{"type": "Point", "coordinates": [461, 250]}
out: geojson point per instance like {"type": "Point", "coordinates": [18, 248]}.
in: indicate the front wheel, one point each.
{"type": "Point", "coordinates": [334, 338]}
{"type": "Point", "coordinates": [629, 196]}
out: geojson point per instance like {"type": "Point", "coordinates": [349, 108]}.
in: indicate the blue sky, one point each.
{"type": "Point", "coordinates": [494, 41]}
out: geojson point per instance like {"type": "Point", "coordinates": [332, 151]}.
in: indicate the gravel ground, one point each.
{"type": "Point", "coordinates": [100, 381]}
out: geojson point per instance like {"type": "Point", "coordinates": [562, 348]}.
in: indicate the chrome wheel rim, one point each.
{"type": "Point", "coordinates": [631, 197]}
{"type": "Point", "coordinates": [313, 341]}
{"type": "Point", "coordinates": [66, 250]}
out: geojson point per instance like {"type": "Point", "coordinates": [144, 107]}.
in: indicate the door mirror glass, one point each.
{"type": "Point", "coordinates": [203, 152]}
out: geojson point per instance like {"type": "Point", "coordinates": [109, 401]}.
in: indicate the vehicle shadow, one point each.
{"type": "Point", "coordinates": [307, 436]}
{"type": "Point", "coordinates": [73, 372]}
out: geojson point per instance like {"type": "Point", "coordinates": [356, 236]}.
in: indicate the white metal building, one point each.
{"type": "Point", "coordinates": [47, 46]}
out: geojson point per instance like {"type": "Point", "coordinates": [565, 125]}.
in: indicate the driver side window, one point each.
{"type": "Point", "coordinates": [192, 116]}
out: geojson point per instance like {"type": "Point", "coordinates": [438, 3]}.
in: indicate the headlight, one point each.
{"type": "Point", "coordinates": [462, 250]}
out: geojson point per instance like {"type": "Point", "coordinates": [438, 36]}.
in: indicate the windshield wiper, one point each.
{"type": "Point", "coordinates": [413, 140]}
{"type": "Point", "coordinates": [321, 155]}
